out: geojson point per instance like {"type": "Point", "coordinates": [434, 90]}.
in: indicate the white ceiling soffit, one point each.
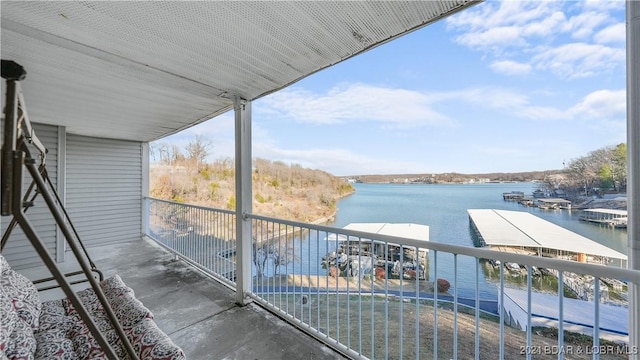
{"type": "Point", "coordinates": [140, 70]}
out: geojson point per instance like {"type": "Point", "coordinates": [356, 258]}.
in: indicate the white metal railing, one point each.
{"type": "Point", "coordinates": [203, 236]}
{"type": "Point", "coordinates": [376, 296]}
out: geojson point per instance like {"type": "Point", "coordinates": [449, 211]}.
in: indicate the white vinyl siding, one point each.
{"type": "Point", "coordinates": [19, 251]}
{"type": "Point", "coordinates": [104, 189]}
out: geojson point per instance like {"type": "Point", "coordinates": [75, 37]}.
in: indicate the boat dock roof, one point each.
{"type": "Point", "coordinates": [409, 231]}
{"type": "Point", "coordinates": [523, 229]}
{"type": "Point", "coordinates": [607, 211]}
{"type": "Point", "coordinates": [553, 200]}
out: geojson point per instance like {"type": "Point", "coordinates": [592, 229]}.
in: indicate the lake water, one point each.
{"type": "Point", "coordinates": [443, 207]}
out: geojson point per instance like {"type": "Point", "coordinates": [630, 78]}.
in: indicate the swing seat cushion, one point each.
{"type": "Point", "coordinates": [32, 329]}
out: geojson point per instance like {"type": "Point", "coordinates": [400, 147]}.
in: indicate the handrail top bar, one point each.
{"type": "Point", "coordinates": [226, 211]}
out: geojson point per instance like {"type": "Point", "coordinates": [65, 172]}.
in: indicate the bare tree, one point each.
{"type": "Point", "coordinates": [267, 254]}
{"type": "Point", "coordinates": [174, 155]}
{"type": "Point", "coordinates": [198, 150]}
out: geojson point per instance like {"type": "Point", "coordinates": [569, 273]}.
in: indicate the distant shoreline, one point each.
{"type": "Point", "coordinates": [452, 177]}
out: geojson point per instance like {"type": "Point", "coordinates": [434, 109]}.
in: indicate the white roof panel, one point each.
{"type": "Point", "coordinates": [526, 227]}
{"type": "Point", "coordinates": [607, 211]}
{"type": "Point", "coordinates": [409, 231]}
{"type": "Point", "coordinates": [497, 231]}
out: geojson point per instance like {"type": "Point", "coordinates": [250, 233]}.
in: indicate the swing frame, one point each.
{"type": "Point", "coordinates": [19, 135]}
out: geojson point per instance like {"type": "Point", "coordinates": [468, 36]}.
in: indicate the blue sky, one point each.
{"type": "Point", "coordinates": [505, 86]}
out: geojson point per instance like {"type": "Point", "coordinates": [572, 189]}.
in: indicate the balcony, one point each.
{"type": "Point", "coordinates": [101, 93]}
{"type": "Point", "coordinates": [365, 313]}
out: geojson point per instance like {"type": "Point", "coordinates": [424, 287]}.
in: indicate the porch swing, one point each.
{"type": "Point", "coordinates": [103, 321]}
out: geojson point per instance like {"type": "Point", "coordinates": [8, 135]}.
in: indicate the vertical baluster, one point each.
{"type": "Point", "coordinates": [213, 242]}
{"type": "Point", "coordinates": [561, 314]}
{"type": "Point", "coordinates": [197, 230]}
{"type": "Point", "coordinates": [477, 334]}
{"type": "Point", "coordinates": [301, 271]}
{"type": "Point", "coordinates": [372, 305]}
{"type": "Point", "coordinates": [386, 305]}
{"type": "Point", "coordinates": [293, 293]}
{"type": "Point", "coordinates": [360, 278]}
{"type": "Point", "coordinates": [327, 297]}
{"type": "Point", "coordinates": [221, 241]}
{"type": "Point", "coordinates": [259, 238]}
{"type": "Point", "coordinates": [596, 317]}
{"type": "Point", "coordinates": [318, 326]}
{"type": "Point", "coordinates": [309, 274]}
{"type": "Point", "coordinates": [400, 322]}
{"type": "Point", "coordinates": [286, 269]}
{"type": "Point", "coordinates": [337, 293]}
{"type": "Point", "coordinates": [231, 231]}
{"type": "Point", "coordinates": [501, 309]}
{"type": "Point", "coordinates": [435, 304]}
{"type": "Point", "coordinates": [207, 239]}
{"type": "Point", "coordinates": [417, 269]}
{"type": "Point", "coordinates": [529, 311]}
{"type": "Point", "coordinates": [455, 306]}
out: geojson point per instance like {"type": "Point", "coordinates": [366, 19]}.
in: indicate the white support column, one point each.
{"type": "Point", "coordinates": [144, 191]}
{"type": "Point", "coordinates": [244, 241]}
{"type": "Point", "coordinates": [633, 168]}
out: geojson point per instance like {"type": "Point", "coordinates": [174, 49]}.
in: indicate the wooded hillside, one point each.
{"type": "Point", "coordinates": [279, 190]}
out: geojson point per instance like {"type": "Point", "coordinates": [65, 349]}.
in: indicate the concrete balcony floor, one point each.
{"type": "Point", "coordinates": [198, 313]}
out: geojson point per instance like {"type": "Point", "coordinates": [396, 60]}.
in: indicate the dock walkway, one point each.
{"type": "Point", "coordinates": [578, 315]}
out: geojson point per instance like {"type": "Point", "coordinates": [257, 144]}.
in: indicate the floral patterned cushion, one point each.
{"type": "Point", "coordinates": [3, 264]}
{"type": "Point", "coordinates": [8, 319]}
{"type": "Point", "coordinates": [55, 344]}
{"type": "Point", "coordinates": [54, 330]}
{"type": "Point", "coordinates": [21, 344]}
{"type": "Point", "coordinates": [23, 294]}
{"type": "Point", "coordinates": [123, 302]}
{"type": "Point", "coordinates": [151, 343]}
{"type": "Point", "coordinates": [136, 320]}
{"type": "Point", "coordinates": [19, 314]}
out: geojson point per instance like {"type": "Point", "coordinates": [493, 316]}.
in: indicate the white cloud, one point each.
{"type": "Point", "coordinates": [539, 29]}
{"type": "Point", "coordinates": [497, 37]}
{"type": "Point", "coordinates": [546, 26]}
{"type": "Point", "coordinates": [338, 162]}
{"type": "Point", "coordinates": [577, 60]}
{"type": "Point", "coordinates": [400, 108]}
{"type": "Point", "coordinates": [616, 33]}
{"type": "Point", "coordinates": [509, 101]}
{"type": "Point", "coordinates": [601, 104]}
{"type": "Point", "coordinates": [509, 67]}
{"type": "Point", "coordinates": [598, 105]}
{"type": "Point", "coordinates": [583, 25]}
{"type": "Point", "coordinates": [602, 5]}
{"type": "Point", "coordinates": [496, 98]}
{"type": "Point", "coordinates": [502, 13]}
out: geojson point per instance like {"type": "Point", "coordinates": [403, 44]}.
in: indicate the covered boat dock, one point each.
{"type": "Point", "coordinates": [405, 230]}
{"type": "Point", "coordinates": [611, 217]}
{"type": "Point", "coordinates": [519, 231]}
{"type": "Point", "coordinates": [394, 257]}
{"type": "Point", "coordinates": [553, 203]}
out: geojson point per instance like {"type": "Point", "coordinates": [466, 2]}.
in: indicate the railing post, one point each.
{"type": "Point", "coordinates": [242, 109]}
{"type": "Point", "coordinates": [145, 188]}
{"type": "Point", "coordinates": [633, 173]}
